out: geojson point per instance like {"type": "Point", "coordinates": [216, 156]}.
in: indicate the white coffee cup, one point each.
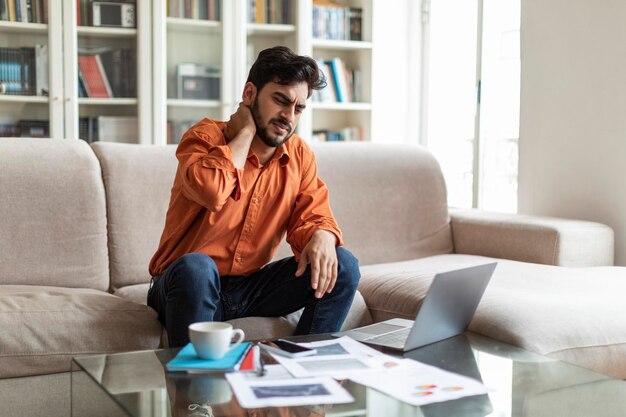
{"type": "Point", "coordinates": [211, 339]}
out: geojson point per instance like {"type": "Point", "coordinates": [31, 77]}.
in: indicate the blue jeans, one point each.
{"type": "Point", "coordinates": [191, 290]}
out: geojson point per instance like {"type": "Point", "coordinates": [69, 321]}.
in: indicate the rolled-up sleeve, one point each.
{"type": "Point", "coordinates": [311, 212]}
{"type": "Point", "coordinates": [208, 174]}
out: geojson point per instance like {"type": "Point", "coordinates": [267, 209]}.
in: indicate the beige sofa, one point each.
{"type": "Point", "coordinates": [79, 225]}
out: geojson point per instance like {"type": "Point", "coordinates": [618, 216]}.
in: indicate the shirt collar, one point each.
{"type": "Point", "coordinates": [281, 154]}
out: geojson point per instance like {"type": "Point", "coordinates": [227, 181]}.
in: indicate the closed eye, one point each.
{"type": "Point", "coordinates": [283, 100]}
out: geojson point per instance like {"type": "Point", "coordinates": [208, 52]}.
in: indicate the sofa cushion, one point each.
{"type": "Point", "coordinates": [266, 327]}
{"type": "Point", "coordinates": [577, 315]}
{"type": "Point", "coordinates": [43, 327]}
{"type": "Point", "coordinates": [371, 186]}
{"type": "Point", "coordinates": [138, 180]}
{"type": "Point", "coordinates": [52, 214]}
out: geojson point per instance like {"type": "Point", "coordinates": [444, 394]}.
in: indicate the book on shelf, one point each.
{"type": "Point", "coordinates": [194, 9]}
{"type": "Point", "coordinates": [88, 129]}
{"type": "Point", "coordinates": [4, 10]}
{"type": "Point", "coordinates": [332, 20]}
{"type": "Point", "coordinates": [355, 23]}
{"type": "Point", "coordinates": [327, 94]}
{"type": "Point", "coordinates": [121, 129]}
{"type": "Point", "coordinates": [338, 71]}
{"type": "Point", "coordinates": [344, 85]}
{"type": "Point", "coordinates": [188, 360]}
{"type": "Point", "coordinates": [95, 82]}
{"type": "Point", "coordinates": [20, 15]}
{"type": "Point", "coordinates": [24, 71]}
{"type": "Point", "coordinates": [106, 72]}
{"type": "Point", "coordinates": [82, 91]}
{"type": "Point", "coordinates": [9, 130]}
{"type": "Point", "coordinates": [26, 11]}
{"type": "Point", "coordinates": [119, 68]}
{"type": "Point", "coordinates": [79, 13]}
{"type": "Point", "coordinates": [34, 128]}
{"type": "Point", "coordinates": [347, 134]}
{"type": "Point", "coordinates": [41, 70]}
{"type": "Point", "coordinates": [269, 11]}
{"type": "Point", "coordinates": [26, 129]}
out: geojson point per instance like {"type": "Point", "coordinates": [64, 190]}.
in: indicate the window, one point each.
{"type": "Point", "coordinates": [473, 95]}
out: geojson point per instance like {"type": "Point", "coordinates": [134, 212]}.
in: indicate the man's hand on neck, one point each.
{"type": "Point", "coordinates": [240, 131]}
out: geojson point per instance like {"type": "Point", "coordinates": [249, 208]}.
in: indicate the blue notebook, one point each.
{"type": "Point", "coordinates": [188, 360]}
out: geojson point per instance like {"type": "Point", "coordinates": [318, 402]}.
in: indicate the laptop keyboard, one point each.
{"type": "Point", "coordinates": [392, 339]}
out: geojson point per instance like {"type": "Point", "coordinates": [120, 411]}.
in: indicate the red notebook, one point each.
{"type": "Point", "coordinates": [248, 362]}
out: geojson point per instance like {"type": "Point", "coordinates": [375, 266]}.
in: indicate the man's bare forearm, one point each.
{"type": "Point", "coordinates": [240, 146]}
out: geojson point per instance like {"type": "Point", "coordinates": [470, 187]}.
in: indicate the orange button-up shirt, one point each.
{"type": "Point", "coordinates": [239, 216]}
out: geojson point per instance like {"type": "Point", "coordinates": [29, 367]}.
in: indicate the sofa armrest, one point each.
{"type": "Point", "coordinates": [541, 240]}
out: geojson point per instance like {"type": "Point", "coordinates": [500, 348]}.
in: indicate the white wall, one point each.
{"type": "Point", "coordinates": [573, 112]}
{"type": "Point", "coordinates": [396, 71]}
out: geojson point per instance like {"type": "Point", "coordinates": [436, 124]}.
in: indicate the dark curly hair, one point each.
{"type": "Point", "coordinates": [280, 65]}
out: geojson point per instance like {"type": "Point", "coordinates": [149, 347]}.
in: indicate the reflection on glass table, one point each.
{"type": "Point", "coordinates": [520, 383]}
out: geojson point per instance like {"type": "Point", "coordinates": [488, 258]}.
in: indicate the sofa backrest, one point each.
{"type": "Point", "coordinates": [389, 200]}
{"type": "Point", "coordinates": [52, 214]}
{"type": "Point", "coordinates": [138, 181]}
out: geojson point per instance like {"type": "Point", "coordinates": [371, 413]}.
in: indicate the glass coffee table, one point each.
{"type": "Point", "coordinates": [520, 383]}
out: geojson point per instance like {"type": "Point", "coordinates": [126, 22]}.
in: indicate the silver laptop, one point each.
{"type": "Point", "coordinates": [448, 308]}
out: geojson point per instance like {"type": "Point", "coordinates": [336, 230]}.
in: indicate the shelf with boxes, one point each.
{"type": "Point", "coordinates": [188, 65]}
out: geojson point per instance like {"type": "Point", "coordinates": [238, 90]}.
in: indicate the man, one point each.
{"type": "Point", "coordinates": [239, 187]}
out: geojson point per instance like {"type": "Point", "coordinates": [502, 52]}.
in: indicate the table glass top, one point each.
{"type": "Point", "coordinates": [520, 383]}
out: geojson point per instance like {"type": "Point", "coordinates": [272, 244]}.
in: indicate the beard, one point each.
{"type": "Point", "coordinates": [262, 132]}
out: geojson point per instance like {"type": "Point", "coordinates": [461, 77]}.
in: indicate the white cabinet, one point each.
{"type": "Point", "coordinates": [233, 43]}
{"type": "Point", "coordinates": [354, 111]}
{"type": "Point", "coordinates": [66, 40]}
{"type": "Point", "coordinates": [23, 109]}
{"type": "Point", "coordinates": [191, 66]}
{"type": "Point", "coordinates": [132, 106]}
{"type": "Point", "coordinates": [187, 64]}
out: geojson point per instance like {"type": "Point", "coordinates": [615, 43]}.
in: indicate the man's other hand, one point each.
{"type": "Point", "coordinates": [321, 253]}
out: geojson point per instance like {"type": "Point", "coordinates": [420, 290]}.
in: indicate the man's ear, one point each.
{"type": "Point", "coordinates": [249, 94]}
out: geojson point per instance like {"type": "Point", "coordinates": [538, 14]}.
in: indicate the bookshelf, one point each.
{"type": "Point", "coordinates": [123, 56]}
{"type": "Point", "coordinates": [57, 29]}
{"type": "Point", "coordinates": [25, 108]}
{"type": "Point", "coordinates": [189, 63]}
{"type": "Point", "coordinates": [349, 48]}
{"type": "Point", "coordinates": [219, 38]}
{"type": "Point", "coordinates": [233, 42]}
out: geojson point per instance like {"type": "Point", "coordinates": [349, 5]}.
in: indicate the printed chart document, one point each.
{"type": "Point", "coordinates": [422, 384]}
{"type": "Point", "coordinates": [340, 358]}
{"type": "Point", "coordinates": [255, 392]}
{"type": "Point", "coordinates": [404, 379]}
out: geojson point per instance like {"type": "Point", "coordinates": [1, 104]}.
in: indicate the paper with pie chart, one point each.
{"type": "Point", "coordinates": [423, 385]}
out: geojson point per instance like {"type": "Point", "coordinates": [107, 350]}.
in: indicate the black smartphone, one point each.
{"type": "Point", "coordinates": [287, 348]}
